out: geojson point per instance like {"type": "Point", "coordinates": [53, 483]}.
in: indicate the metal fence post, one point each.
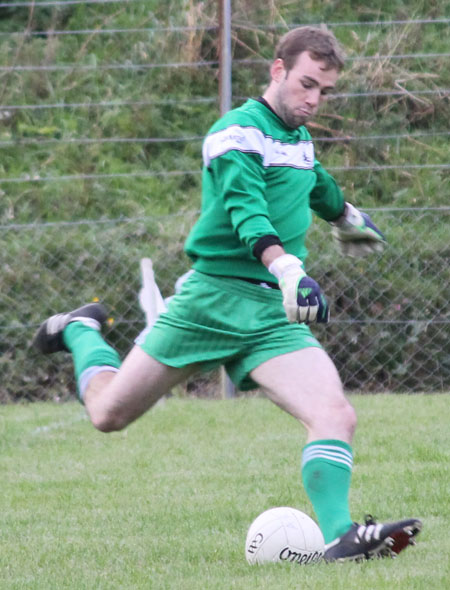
{"type": "Point", "coordinates": [225, 55]}
{"type": "Point", "coordinates": [227, 387]}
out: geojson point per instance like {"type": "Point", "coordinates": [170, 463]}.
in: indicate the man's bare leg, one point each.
{"type": "Point", "coordinates": [114, 394]}
{"type": "Point", "coordinates": [305, 384]}
{"type": "Point", "coordinates": [114, 399]}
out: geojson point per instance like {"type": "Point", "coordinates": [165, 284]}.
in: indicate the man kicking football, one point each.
{"type": "Point", "coordinates": [249, 301]}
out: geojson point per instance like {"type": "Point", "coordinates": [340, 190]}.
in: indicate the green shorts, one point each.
{"type": "Point", "coordinates": [217, 321]}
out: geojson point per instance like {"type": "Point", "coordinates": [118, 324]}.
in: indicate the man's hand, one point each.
{"type": "Point", "coordinates": [356, 233]}
{"type": "Point", "coordinates": [303, 300]}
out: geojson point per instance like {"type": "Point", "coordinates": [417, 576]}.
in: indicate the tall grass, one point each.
{"type": "Point", "coordinates": [344, 117]}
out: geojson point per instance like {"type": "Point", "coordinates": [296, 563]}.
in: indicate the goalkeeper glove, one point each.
{"type": "Point", "coordinates": [303, 301]}
{"type": "Point", "coordinates": [356, 233]}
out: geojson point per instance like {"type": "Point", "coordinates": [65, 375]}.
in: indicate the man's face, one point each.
{"type": "Point", "coordinates": [299, 91]}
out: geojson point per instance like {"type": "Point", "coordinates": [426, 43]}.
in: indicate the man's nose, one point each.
{"type": "Point", "coordinates": [313, 97]}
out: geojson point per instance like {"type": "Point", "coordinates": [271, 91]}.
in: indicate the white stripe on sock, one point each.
{"type": "Point", "coordinates": [330, 448]}
{"type": "Point", "coordinates": [87, 374]}
{"type": "Point", "coordinates": [331, 458]}
{"type": "Point", "coordinates": [88, 322]}
{"type": "Point", "coordinates": [328, 453]}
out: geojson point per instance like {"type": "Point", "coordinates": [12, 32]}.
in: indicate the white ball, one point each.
{"type": "Point", "coordinates": [284, 534]}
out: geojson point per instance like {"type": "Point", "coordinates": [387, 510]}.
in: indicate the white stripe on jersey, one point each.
{"type": "Point", "coordinates": [252, 140]}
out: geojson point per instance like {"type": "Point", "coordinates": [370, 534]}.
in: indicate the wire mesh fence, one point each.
{"type": "Point", "coordinates": [103, 105]}
{"type": "Point", "coordinates": [390, 323]}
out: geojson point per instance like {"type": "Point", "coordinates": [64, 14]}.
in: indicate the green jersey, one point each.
{"type": "Point", "coordinates": [260, 178]}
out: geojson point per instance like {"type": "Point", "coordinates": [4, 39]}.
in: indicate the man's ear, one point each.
{"type": "Point", "coordinates": [277, 70]}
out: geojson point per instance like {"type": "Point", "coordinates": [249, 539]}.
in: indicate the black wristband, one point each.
{"type": "Point", "coordinates": [265, 242]}
{"type": "Point", "coordinates": [340, 214]}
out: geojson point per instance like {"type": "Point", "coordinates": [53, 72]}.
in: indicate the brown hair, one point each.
{"type": "Point", "coordinates": [320, 43]}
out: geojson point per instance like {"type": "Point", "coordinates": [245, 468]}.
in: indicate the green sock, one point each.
{"type": "Point", "coordinates": [326, 473]}
{"type": "Point", "coordinates": [88, 348]}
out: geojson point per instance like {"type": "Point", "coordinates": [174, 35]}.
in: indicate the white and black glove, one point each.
{"type": "Point", "coordinates": [303, 301]}
{"type": "Point", "coordinates": [356, 234]}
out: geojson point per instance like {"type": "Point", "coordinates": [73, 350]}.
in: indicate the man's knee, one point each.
{"type": "Point", "coordinates": [334, 419]}
{"type": "Point", "coordinates": [341, 415]}
{"type": "Point", "coordinates": [108, 420]}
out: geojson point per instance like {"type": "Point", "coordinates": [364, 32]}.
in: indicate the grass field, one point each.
{"type": "Point", "coordinates": [166, 503]}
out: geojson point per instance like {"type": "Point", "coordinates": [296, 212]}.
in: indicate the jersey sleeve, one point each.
{"type": "Point", "coordinates": [235, 160]}
{"type": "Point", "coordinates": [326, 198]}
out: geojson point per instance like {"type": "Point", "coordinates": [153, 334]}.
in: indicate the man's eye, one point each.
{"type": "Point", "coordinates": [306, 84]}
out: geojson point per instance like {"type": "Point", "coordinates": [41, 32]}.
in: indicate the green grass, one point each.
{"type": "Point", "coordinates": [166, 503]}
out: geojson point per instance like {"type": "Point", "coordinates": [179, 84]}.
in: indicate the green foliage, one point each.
{"type": "Point", "coordinates": [166, 504]}
{"type": "Point", "coordinates": [47, 268]}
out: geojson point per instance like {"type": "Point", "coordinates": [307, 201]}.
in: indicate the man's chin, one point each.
{"type": "Point", "coordinates": [294, 122]}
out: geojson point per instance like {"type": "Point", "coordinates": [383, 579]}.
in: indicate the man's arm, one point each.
{"type": "Point", "coordinates": [239, 180]}
{"type": "Point", "coordinates": [326, 199]}
{"type": "Point", "coordinates": [354, 231]}
{"type": "Point", "coordinates": [270, 254]}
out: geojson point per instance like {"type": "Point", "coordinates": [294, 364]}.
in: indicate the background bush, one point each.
{"type": "Point", "coordinates": [65, 242]}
